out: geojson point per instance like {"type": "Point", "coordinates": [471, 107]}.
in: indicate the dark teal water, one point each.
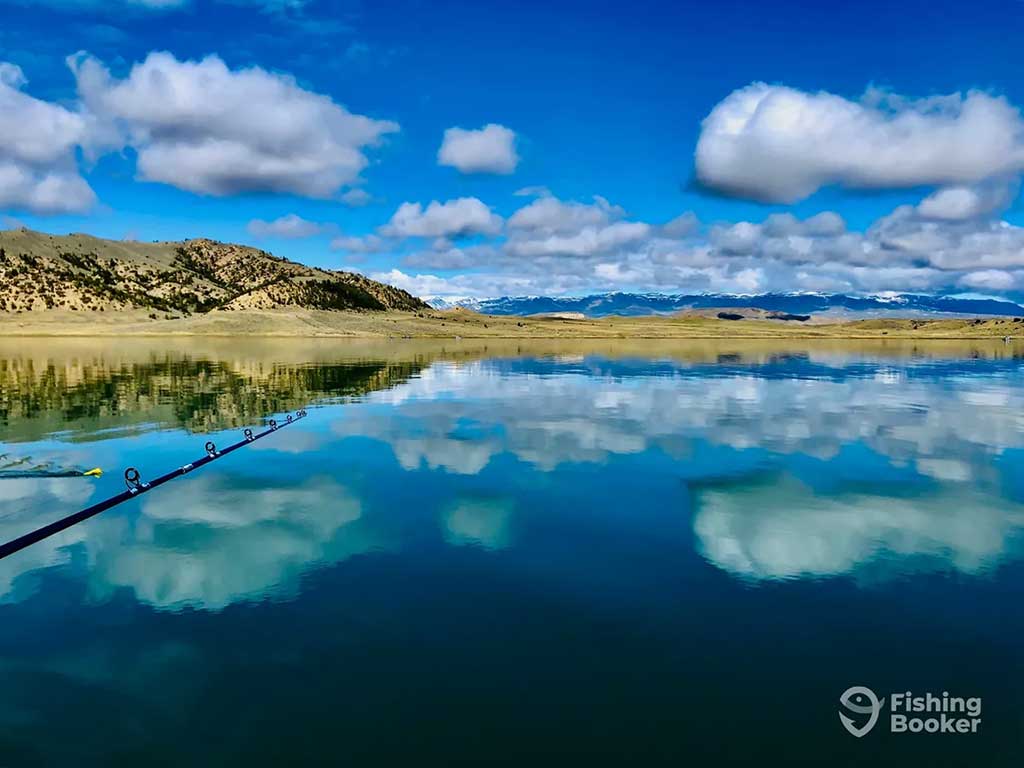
{"type": "Point", "coordinates": [521, 560]}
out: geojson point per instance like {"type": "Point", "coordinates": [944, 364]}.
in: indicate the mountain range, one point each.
{"type": "Point", "coordinates": [840, 304]}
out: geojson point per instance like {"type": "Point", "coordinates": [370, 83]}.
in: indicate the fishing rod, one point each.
{"type": "Point", "coordinates": [136, 487]}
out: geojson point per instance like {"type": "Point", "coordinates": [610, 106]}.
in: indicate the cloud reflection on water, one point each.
{"type": "Point", "coordinates": [26, 504]}
{"type": "Point", "coordinates": [906, 462]}
{"type": "Point", "coordinates": [944, 427]}
{"type": "Point", "coordinates": [781, 529]}
{"type": "Point", "coordinates": [953, 424]}
{"type": "Point", "coordinates": [483, 522]}
{"type": "Point", "coordinates": [212, 541]}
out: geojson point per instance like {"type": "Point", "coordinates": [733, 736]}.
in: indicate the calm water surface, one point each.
{"type": "Point", "coordinates": [656, 554]}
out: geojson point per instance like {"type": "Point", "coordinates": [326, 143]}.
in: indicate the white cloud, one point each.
{"type": "Point", "coordinates": [290, 227]}
{"type": "Point", "coordinates": [366, 244]}
{"type": "Point", "coordinates": [681, 226]}
{"type": "Point", "coordinates": [749, 280]}
{"type": "Point", "coordinates": [356, 197]}
{"type": "Point", "coordinates": [550, 227]}
{"type": "Point", "coordinates": [904, 236]}
{"type": "Point", "coordinates": [38, 170]}
{"type": "Point", "coordinates": [779, 144]}
{"type": "Point", "coordinates": [433, 286]}
{"type": "Point", "coordinates": [741, 238]}
{"type": "Point", "coordinates": [491, 149]}
{"type": "Point", "coordinates": [203, 127]}
{"type": "Point", "coordinates": [551, 216]}
{"type": "Point", "coordinates": [535, 191]}
{"type": "Point", "coordinates": [824, 223]}
{"type": "Point", "coordinates": [963, 203]}
{"type": "Point", "coordinates": [463, 216]}
{"type": "Point", "coordinates": [449, 257]}
{"type": "Point", "coordinates": [587, 242]}
{"type": "Point", "coordinates": [989, 279]}
{"type": "Point", "coordinates": [557, 247]}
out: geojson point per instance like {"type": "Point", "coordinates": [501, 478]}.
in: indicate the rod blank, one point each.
{"type": "Point", "coordinates": [136, 487]}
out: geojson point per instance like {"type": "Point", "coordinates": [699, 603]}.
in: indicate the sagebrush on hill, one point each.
{"type": "Point", "coordinates": [84, 273]}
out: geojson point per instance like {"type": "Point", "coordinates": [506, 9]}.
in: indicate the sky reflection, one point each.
{"type": "Point", "coordinates": [798, 466]}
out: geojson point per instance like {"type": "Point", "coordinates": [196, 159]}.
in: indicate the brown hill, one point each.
{"type": "Point", "coordinates": [84, 273]}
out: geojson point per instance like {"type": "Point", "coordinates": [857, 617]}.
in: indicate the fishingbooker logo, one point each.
{"type": "Point", "coordinates": [908, 713]}
{"type": "Point", "coordinates": [860, 701]}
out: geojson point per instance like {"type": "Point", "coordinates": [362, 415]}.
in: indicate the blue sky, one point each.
{"type": "Point", "coordinates": [867, 111]}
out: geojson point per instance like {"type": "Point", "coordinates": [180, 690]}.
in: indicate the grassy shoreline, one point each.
{"type": "Point", "coordinates": [455, 324]}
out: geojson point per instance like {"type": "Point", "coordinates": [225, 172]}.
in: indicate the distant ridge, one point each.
{"type": "Point", "coordinates": [841, 304]}
{"type": "Point", "coordinates": [40, 272]}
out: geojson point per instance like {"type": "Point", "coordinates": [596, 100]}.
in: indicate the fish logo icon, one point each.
{"type": "Point", "coordinates": [862, 701]}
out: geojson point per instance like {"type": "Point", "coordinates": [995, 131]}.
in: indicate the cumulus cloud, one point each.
{"type": "Point", "coordinates": [445, 256]}
{"type": "Point", "coordinates": [550, 216]}
{"type": "Point", "coordinates": [289, 227]}
{"type": "Point", "coordinates": [963, 203]}
{"type": "Point", "coordinates": [462, 216]}
{"type": "Point", "coordinates": [681, 226]}
{"type": "Point", "coordinates": [491, 149]}
{"type": "Point", "coordinates": [205, 128]}
{"type": "Point", "coordinates": [429, 286]}
{"type": "Point", "coordinates": [534, 191]}
{"type": "Point", "coordinates": [552, 246]}
{"type": "Point", "coordinates": [549, 227]}
{"type": "Point", "coordinates": [989, 279]}
{"type": "Point", "coordinates": [741, 238]}
{"type": "Point", "coordinates": [905, 236]}
{"type": "Point", "coordinates": [587, 242]}
{"type": "Point", "coordinates": [38, 169]}
{"type": "Point", "coordinates": [779, 144]}
{"type": "Point", "coordinates": [356, 197]}
{"type": "Point", "coordinates": [365, 244]}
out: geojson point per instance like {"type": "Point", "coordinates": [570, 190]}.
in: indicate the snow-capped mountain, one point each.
{"type": "Point", "coordinates": [600, 305]}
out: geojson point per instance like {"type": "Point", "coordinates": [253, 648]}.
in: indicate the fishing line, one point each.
{"type": "Point", "coordinates": [44, 473]}
{"type": "Point", "coordinates": [135, 486]}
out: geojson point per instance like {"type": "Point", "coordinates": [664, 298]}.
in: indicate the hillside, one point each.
{"type": "Point", "coordinates": [464, 324]}
{"type": "Point", "coordinates": [81, 273]}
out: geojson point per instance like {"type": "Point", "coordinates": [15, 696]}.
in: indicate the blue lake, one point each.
{"type": "Point", "coordinates": [555, 553]}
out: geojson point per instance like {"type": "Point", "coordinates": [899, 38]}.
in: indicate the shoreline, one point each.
{"type": "Point", "coordinates": [463, 324]}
